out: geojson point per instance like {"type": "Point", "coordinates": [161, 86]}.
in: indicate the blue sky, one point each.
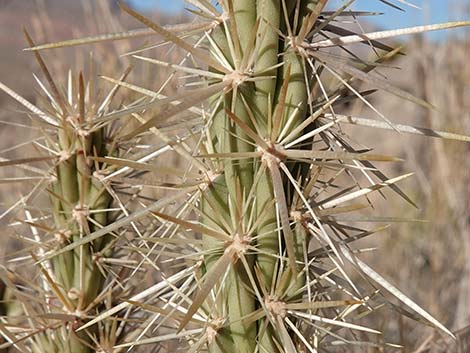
{"type": "Point", "coordinates": [432, 11]}
{"type": "Point", "coordinates": [168, 6]}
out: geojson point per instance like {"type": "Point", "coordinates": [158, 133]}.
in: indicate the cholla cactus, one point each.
{"type": "Point", "coordinates": [251, 238]}
{"type": "Point", "coordinates": [80, 205]}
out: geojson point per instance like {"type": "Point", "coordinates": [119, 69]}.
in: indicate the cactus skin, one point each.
{"type": "Point", "coordinates": [80, 202]}
{"type": "Point", "coordinates": [261, 100]}
{"type": "Point", "coordinates": [255, 283]}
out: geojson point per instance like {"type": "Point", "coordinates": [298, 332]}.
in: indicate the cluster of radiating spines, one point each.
{"type": "Point", "coordinates": [78, 138]}
{"type": "Point", "coordinates": [251, 147]}
{"type": "Point", "coordinates": [265, 164]}
{"type": "Point", "coordinates": [270, 137]}
{"type": "Point", "coordinates": [80, 205]}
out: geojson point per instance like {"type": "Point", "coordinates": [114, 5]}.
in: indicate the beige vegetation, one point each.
{"type": "Point", "coordinates": [429, 261]}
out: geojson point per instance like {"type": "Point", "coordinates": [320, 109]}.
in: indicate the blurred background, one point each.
{"type": "Point", "coordinates": [429, 261]}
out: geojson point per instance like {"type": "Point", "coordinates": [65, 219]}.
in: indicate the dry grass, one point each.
{"type": "Point", "coordinates": [430, 261]}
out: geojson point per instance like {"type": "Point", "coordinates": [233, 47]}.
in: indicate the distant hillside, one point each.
{"type": "Point", "coordinates": [15, 65]}
{"type": "Point", "coordinates": [65, 19]}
